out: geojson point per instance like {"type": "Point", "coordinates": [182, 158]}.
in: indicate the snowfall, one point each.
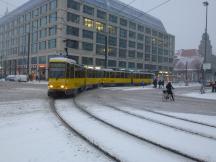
{"type": "Point", "coordinates": [30, 132]}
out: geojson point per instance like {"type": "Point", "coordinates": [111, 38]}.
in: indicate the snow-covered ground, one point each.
{"type": "Point", "coordinates": [208, 95]}
{"type": "Point", "coordinates": [163, 135]}
{"type": "Point", "coordinates": [29, 132]}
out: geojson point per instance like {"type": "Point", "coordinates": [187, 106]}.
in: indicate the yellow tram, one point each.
{"type": "Point", "coordinates": [65, 76]}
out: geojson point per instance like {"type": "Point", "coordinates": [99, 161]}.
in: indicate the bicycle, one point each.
{"type": "Point", "coordinates": [166, 96]}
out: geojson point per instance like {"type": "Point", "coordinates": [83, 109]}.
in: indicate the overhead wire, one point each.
{"type": "Point", "coordinates": [159, 5]}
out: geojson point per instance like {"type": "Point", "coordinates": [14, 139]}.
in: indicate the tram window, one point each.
{"type": "Point", "coordinates": [71, 71]}
{"type": "Point", "coordinates": [122, 75]}
{"type": "Point", "coordinates": [112, 74]}
{"type": "Point", "coordinates": [79, 72]}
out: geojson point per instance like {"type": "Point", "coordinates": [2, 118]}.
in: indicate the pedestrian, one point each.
{"type": "Point", "coordinates": [143, 84]}
{"type": "Point", "coordinates": [214, 87]}
{"type": "Point", "coordinates": [155, 83]}
{"type": "Point", "coordinates": [169, 88]}
{"type": "Point", "coordinates": [159, 84]}
{"type": "Point", "coordinates": [162, 83]}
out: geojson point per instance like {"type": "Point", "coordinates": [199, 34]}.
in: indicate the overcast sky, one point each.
{"type": "Point", "coordinates": [185, 19]}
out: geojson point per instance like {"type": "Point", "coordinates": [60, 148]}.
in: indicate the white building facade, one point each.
{"type": "Point", "coordinates": [42, 29]}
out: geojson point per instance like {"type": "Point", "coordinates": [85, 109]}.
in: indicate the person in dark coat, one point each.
{"type": "Point", "coordinates": [162, 83]}
{"type": "Point", "coordinates": [169, 88]}
{"type": "Point", "coordinates": [159, 83]}
{"type": "Point", "coordinates": [155, 83]}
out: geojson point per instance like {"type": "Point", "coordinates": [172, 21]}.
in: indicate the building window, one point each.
{"type": "Point", "coordinates": [140, 46]}
{"type": "Point", "coordinates": [42, 60]}
{"type": "Point", "coordinates": [101, 14]}
{"type": "Point", "coordinates": [131, 54]}
{"type": "Point", "coordinates": [53, 18]}
{"type": "Point", "coordinates": [122, 53]}
{"type": "Point", "coordinates": [43, 21]}
{"type": "Point", "coordinates": [154, 50]}
{"type": "Point", "coordinates": [87, 46]}
{"type": "Point", "coordinates": [140, 37]}
{"type": "Point", "coordinates": [139, 66]}
{"type": "Point", "coordinates": [52, 43]}
{"type": "Point", "coordinates": [113, 18]}
{"type": "Point", "coordinates": [88, 10]}
{"type": "Point", "coordinates": [52, 30]}
{"type": "Point", "coordinates": [100, 49]}
{"type": "Point", "coordinates": [147, 57]}
{"type": "Point", "coordinates": [132, 35]}
{"type": "Point", "coordinates": [101, 38]}
{"type": "Point", "coordinates": [122, 43]}
{"type": "Point", "coordinates": [148, 31]}
{"type": "Point", "coordinates": [34, 48]}
{"type": "Point", "coordinates": [154, 58]}
{"type": "Point", "coordinates": [72, 44]}
{"type": "Point", "coordinates": [123, 22]}
{"type": "Point", "coordinates": [88, 34]}
{"type": "Point", "coordinates": [154, 33]}
{"type": "Point", "coordinates": [111, 63]}
{"type": "Point", "coordinates": [131, 65]}
{"type": "Point", "coordinates": [123, 33]}
{"type": "Point", "coordinates": [147, 40]}
{"type": "Point", "coordinates": [43, 9]}
{"type": "Point", "coordinates": [72, 31]}
{"type": "Point", "coordinates": [112, 41]}
{"type": "Point", "coordinates": [73, 18]}
{"type": "Point", "coordinates": [87, 60]}
{"type": "Point", "coordinates": [139, 55]}
{"type": "Point", "coordinates": [88, 23]}
{"type": "Point", "coordinates": [122, 64]}
{"type": "Point", "coordinates": [42, 45]}
{"type": "Point", "coordinates": [99, 62]}
{"type": "Point", "coordinates": [140, 28]}
{"type": "Point", "coordinates": [112, 29]}
{"type": "Point", "coordinates": [132, 25]}
{"type": "Point", "coordinates": [43, 33]}
{"type": "Point", "coordinates": [147, 49]}
{"type": "Point", "coordinates": [101, 27]}
{"type": "Point", "coordinates": [112, 52]}
{"type": "Point", "coordinates": [73, 5]}
{"type": "Point", "coordinates": [53, 5]}
{"type": "Point", "coordinates": [132, 44]}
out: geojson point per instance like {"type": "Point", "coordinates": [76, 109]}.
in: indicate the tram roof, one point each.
{"type": "Point", "coordinates": [62, 59]}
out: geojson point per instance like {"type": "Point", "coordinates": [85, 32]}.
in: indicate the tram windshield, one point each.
{"type": "Point", "coordinates": [57, 70]}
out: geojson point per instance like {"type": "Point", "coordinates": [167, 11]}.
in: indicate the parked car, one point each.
{"type": "Point", "coordinates": [11, 78]}
{"type": "Point", "coordinates": [15, 78]}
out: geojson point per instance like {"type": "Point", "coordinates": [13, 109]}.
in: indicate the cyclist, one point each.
{"type": "Point", "coordinates": [169, 88]}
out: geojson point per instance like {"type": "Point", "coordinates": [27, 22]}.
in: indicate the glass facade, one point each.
{"type": "Point", "coordinates": [86, 29]}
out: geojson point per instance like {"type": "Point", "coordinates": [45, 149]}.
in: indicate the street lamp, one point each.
{"type": "Point", "coordinates": [206, 3]}
{"type": "Point", "coordinates": [106, 52]}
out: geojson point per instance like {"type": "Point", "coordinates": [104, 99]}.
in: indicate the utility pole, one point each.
{"type": "Point", "coordinates": [204, 61]}
{"type": "Point", "coordinates": [28, 56]}
{"type": "Point", "coordinates": [186, 74]}
{"type": "Point", "coordinates": [106, 52]}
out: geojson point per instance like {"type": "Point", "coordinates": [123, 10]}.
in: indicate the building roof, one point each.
{"type": "Point", "coordinates": [113, 6]}
{"type": "Point", "coordinates": [120, 8]}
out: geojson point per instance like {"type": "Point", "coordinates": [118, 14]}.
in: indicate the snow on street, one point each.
{"type": "Point", "coordinates": [123, 146]}
{"type": "Point", "coordinates": [29, 132]}
{"type": "Point", "coordinates": [189, 143]}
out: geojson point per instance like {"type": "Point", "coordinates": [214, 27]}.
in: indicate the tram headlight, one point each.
{"type": "Point", "coordinates": [62, 86]}
{"type": "Point", "coordinates": [50, 86]}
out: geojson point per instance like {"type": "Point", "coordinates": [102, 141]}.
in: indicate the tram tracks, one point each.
{"type": "Point", "coordinates": [72, 129]}
{"type": "Point", "coordinates": [147, 108]}
{"type": "Point", "coordinates": [143, 139]}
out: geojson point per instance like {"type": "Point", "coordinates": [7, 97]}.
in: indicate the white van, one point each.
{"type": "Point", "coordinates": [21, 78]}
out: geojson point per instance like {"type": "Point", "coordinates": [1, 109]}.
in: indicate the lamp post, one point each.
{"type": "Point", "coordinates": [106, 52]}
{"type": "Point", "coordinates": [204, 61]}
